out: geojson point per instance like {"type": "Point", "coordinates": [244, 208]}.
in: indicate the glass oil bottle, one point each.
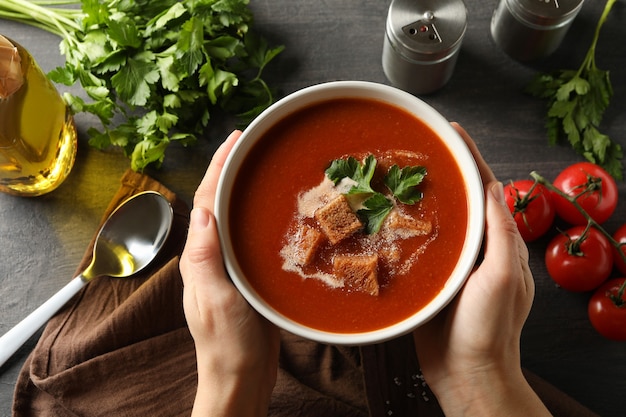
{"type": "Point", "coordinates": [38, 137]}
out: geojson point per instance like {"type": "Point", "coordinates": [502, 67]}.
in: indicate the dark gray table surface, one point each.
{"type": "Point", "coordinates": [42, 239]}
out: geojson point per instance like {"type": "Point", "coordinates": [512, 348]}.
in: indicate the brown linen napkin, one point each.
{"type": "Point", "coordinates": [121, 347]}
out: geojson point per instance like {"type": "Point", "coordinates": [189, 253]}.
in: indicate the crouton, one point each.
{"type": "Point", "coordinates": [337, 220]}
{"type": "Point", "coordinates": [359, 272]}
{"type": "Point", "coordinates": [308, 240]}
{"type": "Point", "coordinates": [407, 226]}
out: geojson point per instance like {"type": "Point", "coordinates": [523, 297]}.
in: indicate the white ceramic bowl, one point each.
{"type": "Point", "coordinates": [354, 89]}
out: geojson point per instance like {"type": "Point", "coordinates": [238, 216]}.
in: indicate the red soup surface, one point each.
{"type": "Point", "coordinates": [291, 159]}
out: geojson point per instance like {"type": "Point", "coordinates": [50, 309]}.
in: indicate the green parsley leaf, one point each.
{"type": "Point", "coordinates": [361, 173]}
{"type": "Point", "coordinates": [63, 75]}
{"type": "Point", "coordinates": [377, 207]}
{"type": "Point", "coordinates": [189, 46]}
{"type": "Point", "coordinates": [148, 151]}
{"type": "Point", "coordinates": [98, 139]}
{"type": "Point", "coordinates": [403, 182]}
{"type": "Point", "coordinates": [132, 82]}
{"type": "Point", "coordinates": [220, 84]}
{"type": "Point", "coordinates": [162, 19]}
{"type": "Point", "coordinates": [125, 33]}
{"type": "Point", "coordinates": [224, 47]}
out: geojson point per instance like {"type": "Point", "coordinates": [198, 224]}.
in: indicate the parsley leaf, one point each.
{"type": "Point", "coordinates": [375, 211]}
{"type": "Point", "coordinates": [361, 173]}
{"type": "Point", "coordinates": [403, 182]}
{"type": "Point", "coordinates": [133, 81]}
{"type": "Point", "coordinates": [125, 33]}
{"type": "Point", "coordinates": [576, 103]}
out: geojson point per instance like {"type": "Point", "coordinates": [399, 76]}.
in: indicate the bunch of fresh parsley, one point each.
{"type": "Point", "coordinates": [402, 182]}
{"type": "Point", "coordinates": [576, 103]}
{"type": "Point", "coordinates": [164, 66]}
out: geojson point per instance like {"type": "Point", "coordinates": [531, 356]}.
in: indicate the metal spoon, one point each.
{"type": "Point", "coordinates": [127, 242]}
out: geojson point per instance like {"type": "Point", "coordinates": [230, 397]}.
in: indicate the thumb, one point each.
{"type": "Point", "coordinates": [202, 257]}
{"type": "Point", "coordinates": [504, 247]}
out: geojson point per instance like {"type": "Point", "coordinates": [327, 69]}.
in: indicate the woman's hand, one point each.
{"type": "Point", "coordinates": [236, 348]}
{"type": "Point", "coordinates": [470, 352]}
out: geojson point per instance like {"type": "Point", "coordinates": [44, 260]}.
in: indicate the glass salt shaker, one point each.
{"type": "Point", "coordinates": [422, 41]}
{"type": "Point", "coordinates": [528, 30]}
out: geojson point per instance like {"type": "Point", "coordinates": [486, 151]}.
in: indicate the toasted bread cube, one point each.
{"type": "Point", "coordinates": [337, 220]}
{"type": "Point", "coordinates": [308, 240]}
{"type": "Point", "coordinates": [359, 272]}
{"type": "Point", "coordinates": [408, 225]}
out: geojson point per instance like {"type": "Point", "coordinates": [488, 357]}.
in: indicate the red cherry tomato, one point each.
{"type": "Point", "coordinates": [594, 188]}
{"type": "Point", "coordinates": [607, 310]}
{"type": "Point", "coordinates": [620, 237]}
{"type": "Point", "coordinates": [531, 206]}
{"type": "Point", "coordinates": [578, 260]}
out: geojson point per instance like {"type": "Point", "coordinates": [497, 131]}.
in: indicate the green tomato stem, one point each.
{"type": "Point", "coordinates": [522, 202]}
{"type": "Point", "coordinates": [618, 300]}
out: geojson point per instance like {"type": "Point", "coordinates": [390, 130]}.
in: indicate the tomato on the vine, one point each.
{"type": "Point", "coordinates": [531, 206]}
{"type": "Point", "coordinates": [607, 310]}
{"type": "Point", "coordinates": [620, 237]}
{"type": "Point", "coordinates": [580, 259]}
{"type": "Point", "coordinates": [595, 191]}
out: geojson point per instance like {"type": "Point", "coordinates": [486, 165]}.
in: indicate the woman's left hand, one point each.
{"type": "Point", "coordinates": [236, 348]}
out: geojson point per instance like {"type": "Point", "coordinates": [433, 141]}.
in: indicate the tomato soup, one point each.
{"type": "Point", "coordinates": [290, 160]}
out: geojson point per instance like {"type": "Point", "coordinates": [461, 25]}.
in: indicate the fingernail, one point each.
{"type": "Point", "coordinates": [199, 218]}
{"type": "Point", "coordinates": [497, 190]}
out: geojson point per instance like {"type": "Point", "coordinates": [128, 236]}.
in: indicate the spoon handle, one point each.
{"type": "Point", "coordinates": [18, 335]}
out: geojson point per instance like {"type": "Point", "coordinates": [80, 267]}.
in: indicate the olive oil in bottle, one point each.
{"type": "Point", "coordinates": [37, 132]}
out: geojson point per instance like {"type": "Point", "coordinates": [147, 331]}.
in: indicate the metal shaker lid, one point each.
{"type": "Point", "coordinates": [543, 13]}
{"type": "Point", "coordinates": [426, 30]}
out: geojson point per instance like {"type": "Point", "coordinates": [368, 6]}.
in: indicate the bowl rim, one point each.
{"type": "Point", "coordinates": [354, 89]}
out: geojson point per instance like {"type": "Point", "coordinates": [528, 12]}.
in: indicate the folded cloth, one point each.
{"type": "Point", "coordinates": [122, 347]}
